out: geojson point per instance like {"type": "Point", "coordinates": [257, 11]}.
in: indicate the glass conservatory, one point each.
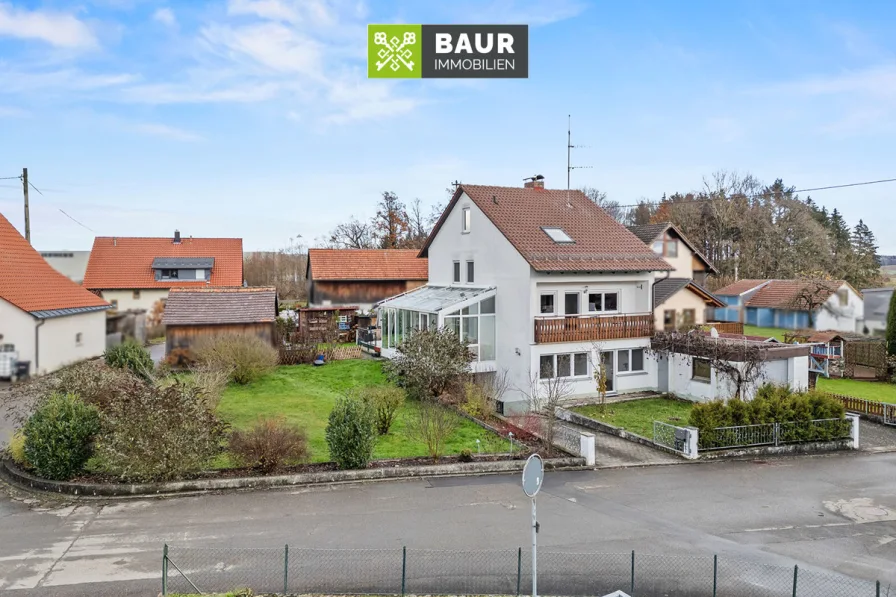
{"type": "Point", "coordinates": [469, 312]}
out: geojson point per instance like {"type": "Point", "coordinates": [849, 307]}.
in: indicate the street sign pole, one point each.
{"type": "Point", "coordinates": [533, 476]}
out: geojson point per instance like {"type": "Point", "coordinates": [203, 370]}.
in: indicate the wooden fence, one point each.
{"type": "Point", "coordinates": [869, 408]}
{"type": "Point", "coordinates": [725, 327]}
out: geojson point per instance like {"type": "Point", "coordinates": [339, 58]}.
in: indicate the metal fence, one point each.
{"type": "Point", "coordinates": [405, 571]}
{"type": "Point", "coordinates": [775, 434]}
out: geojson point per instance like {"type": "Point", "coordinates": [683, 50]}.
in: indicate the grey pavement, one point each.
{"type": "Point", "coordinates": [612, 451]}
{"type": "Point", "coordinates": [835, 512]}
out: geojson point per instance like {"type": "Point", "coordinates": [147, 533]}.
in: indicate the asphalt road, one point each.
{"type": "Point", "coordinates": [835, 513]}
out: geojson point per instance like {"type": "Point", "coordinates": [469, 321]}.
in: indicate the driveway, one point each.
{"type": "Point", "coordinates": [835, 512]}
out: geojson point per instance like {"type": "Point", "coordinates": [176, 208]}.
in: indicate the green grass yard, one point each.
{"type": "Point", "coordinates": [305, 394]}
{"type": "Point", "coordinates": [869, 390]}
{"type": "Point", "coordinates": [638, 416]}
{"type": "Point", "coordinates": [752, 330]}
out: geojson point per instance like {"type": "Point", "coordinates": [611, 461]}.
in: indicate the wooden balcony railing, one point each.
{"type": "Point", "coordinates": [584, 328]}
{"type": "Point", "coordinates": [725, 327]}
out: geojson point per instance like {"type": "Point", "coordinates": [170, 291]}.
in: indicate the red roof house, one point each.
{"type": "Point", "coordinates": [48, 320]}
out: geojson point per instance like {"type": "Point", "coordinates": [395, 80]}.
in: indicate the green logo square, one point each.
{"type": "Point", "coordinates": [394, 51]}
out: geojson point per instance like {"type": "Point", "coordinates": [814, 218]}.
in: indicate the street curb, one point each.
{"type": "Point", "coordinates": [20, 478]}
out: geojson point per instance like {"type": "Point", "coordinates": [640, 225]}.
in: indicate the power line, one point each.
{"type": "Point", "coordinates": [76, 221]}
{"type": "Point", "coordinates": [19, 177]}
{"type": "Point", "coordinates": [34, 187]}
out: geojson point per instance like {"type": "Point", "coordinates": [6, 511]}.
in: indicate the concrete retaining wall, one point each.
{"type": "Point", "coordinates": [16, 475]}
{"type": "Point", "coordinates": [808, 448]}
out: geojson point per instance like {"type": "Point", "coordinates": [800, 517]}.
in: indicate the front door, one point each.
{"type": "Point", "coordinates": [609, 361]}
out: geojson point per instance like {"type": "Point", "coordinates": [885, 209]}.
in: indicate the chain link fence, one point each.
{"type": "Point", "coordinates": [289, 570]}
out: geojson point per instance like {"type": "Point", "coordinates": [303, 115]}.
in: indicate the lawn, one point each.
{"type": "Point", "coordinates": [305, 394]}
{"type": "Point", "coordinates": [638, 416]}
{"type": "Point", "coordinates": [752, 330]}
{"type": "Point", "coordinates": [869, 390]}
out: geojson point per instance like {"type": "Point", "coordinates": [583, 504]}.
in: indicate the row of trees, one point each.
{"type": "Point", "coordinates": [393, 226]}
{"type": "Point", "coordinates": [749, 229]}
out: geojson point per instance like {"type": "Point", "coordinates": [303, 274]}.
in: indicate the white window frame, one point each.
{"type": "Point", "coordinates": [572, 366]}
{"type": "Point", "coordinates": [471, 264]}
{"type": "Point", "coordinates": [698, 378]}
{"type": "Point", "coordinates": [603, 300]}
{"type": "Point", "coordinates": [466, 220]}
{"type": "Point", "coordinates": [578, 294]}
{"type": "Point", "coordinates": [455, 272]}
{"type": "Point", "coordinates": [643, 370]}
{"type": "Point", "coordinates": [552, 293]}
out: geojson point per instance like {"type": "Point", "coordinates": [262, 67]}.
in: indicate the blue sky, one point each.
{"type": "Point", "coordinates": [254, 118]}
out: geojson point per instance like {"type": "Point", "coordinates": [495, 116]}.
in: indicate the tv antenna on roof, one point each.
{"type": "Point", "coordinates": [569, 148]}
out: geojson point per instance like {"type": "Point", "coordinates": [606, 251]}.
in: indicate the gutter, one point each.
{"type": "Point", "coordinates": [40, 322]}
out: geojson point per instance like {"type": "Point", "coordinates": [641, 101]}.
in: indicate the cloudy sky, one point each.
{"type": "Point", "coordinates": [254, 118]}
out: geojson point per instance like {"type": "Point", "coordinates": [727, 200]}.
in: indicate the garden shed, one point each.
{"type": "Point", "coordinates": [192, 314]}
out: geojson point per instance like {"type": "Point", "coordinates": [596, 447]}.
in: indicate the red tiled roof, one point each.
{"type": "Point", "coordinates": [30, 283]}
{"type": "Point", "coordinates": [783, 294]}
{"type": "Point", "coordinates": [601, 243]}
{"type": "Point", "coordinates": [126, 262]}
{"type": "Point", "coordinates": [739, 287]}
{"type": "Point", "coordinates": [367, 264]}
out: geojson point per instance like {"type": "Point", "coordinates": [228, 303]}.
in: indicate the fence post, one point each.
{"type": "Point", "coordinates": [519, 569]}
{"type": "Point", "coordinates": [715, 574]}
{"type": "Point", "coordinates": [632, 591]}
{"type": "Point", "coordinates": [165, 570]}
{"type": "Point", "coordinates": [878, 589]}
{"type": "Point", "coordinates": [404, 567]}
{"type": "Point", "coordinates": [286, 569]}
{"type": "Point", "coordinates": [777, 428]}
{"type": "Point", "coordinates": [796, 570]}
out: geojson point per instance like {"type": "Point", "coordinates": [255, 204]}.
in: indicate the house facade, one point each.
{"type": "Point", "coordinates": [542, 284]}
{"type": "Point", "coordinates": [71, 264]}
{"type": "Point", "coordinates": [680, 299]}
{"type": "Point", "coordinates": [48, 319]}
{"type": "Point", "coordinates": [877, 306]}
{"type": "Point", "coordinates": [834, 304]}
{"type": "Point", "coordinates": [362, 277]}
{"type": "Point", "coordinates": [136, 273]}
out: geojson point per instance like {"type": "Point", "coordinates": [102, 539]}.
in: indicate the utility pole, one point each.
{"type": "Point", "coordinates": [27, 211]}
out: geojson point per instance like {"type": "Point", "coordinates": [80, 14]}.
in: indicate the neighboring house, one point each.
{"type": "Point", "coordinates": [541, 283]}
{"type": "Point", "coordinates": [71, 264]}
{"type": "Point", "coordinates": [50, 320]}
{"type": "Point", "coordinates": [679, 299]}
{"type": "Point", "coordinates": [786, 304]}
{"type": "Point", "coordinates": [362, 277]}
{"type": "Point", "coordinates": [877, 305]}
{"type": "Point", "coordinates": [192, 314]}
{"type": "Point", "coordinates": [135, 273]}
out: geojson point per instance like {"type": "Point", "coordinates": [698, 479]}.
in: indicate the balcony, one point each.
{"type": "Point", "coordinates": [585, 328]}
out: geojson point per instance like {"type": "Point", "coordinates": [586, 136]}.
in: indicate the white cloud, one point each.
{"type": "Point", "coordinates": [189, 93]}
{"type": "Point", "coordinates": [270, 45]}
{"type": "Point", "coordinates": [19, 81]}
{"type": "Point", "coordinates": [165, 131]}
{"type": "Point", "coordinates": [877, 81]}
{"type": "Point", "coordinates": [56, 28]}
{"type": "Point", "coordinates": [522, 12]}
{"type": "Point", "coordinates": [13, 112]}
{"type": "Point", "coordinates": [165, 16]}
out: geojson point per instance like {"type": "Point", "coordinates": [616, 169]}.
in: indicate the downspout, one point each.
{"type": "Point", "coordinates": [40, 322]}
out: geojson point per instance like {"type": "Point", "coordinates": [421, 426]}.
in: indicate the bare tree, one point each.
{"type": "Point", "coordinates": [432, 425]}
{"type": "Point", "coordinates": [353, 234]}
{"type": "Point", "coordinates": [599, 198]}
{"type": "Point", "coordinates": [418, 226]}
{"type": "Point", "coordinates": [599, 372]}
{"type": "Point", "coordinates": [391, 221]}
{"type": "Point", "coordinates": [543, 396]}
{"type": "Point", "coordinates": [742, 362]}
{"type": "Point", "coordinates": [283, 269]}
{"type": "Point", "coordinates": [812, 295]}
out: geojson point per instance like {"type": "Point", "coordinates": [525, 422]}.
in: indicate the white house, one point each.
{"type": "Point", "coordinates": [135, 272]}
{"type": "Point", "coordinates": [680, 298]}
{"type": "Point", "coordinates": [877, 306]}
{"type": "Point", "coordinates": [793, 304]}
{"type": "Point", "coordinates": [539, 282]}
{"type": "Point", "coordinates": [49, 320]}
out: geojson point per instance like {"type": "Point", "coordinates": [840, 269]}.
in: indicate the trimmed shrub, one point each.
{"type": "Point", "coordinates": [59, 436]}
{"type": "Point", "coordinates": [385, 400]}
{"type": "Point", "coordinates": [246, 357]}
{"type": "Point", "coordinates": [269, 444]}
{"type": "Point", "coordinates": [16, 449]}
{"type": "Point", "coordinates": [351, 432]}
{"type": "Point", "coordinates": [429, 363]}
{"type": "Point", "coordinates": [180, 358]}
{"type": "Point", "coordinates": [466, 455]}
{"type": "Point", "coordinates": [132, 356]}
{"type": "Point", "coordinates": [477, 403]}
{"type": "Point", "coordinates": [156, 433]}
{"type": "Point", "coordinates": [93, 381]}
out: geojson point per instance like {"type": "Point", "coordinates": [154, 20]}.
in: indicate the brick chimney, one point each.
{"type": "Point", "coordinates": [535, 182]}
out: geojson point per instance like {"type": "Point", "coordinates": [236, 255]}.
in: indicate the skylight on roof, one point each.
{"type": "Point", "coordinates": [558, 235]}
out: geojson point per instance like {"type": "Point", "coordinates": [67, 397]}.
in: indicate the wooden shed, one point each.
{"type": "Point", "coordinates": [192, 314]}
{"type": "Point", "coordinates": [362, 277]}
{"type": "Point", "coordinates": [324, 324]}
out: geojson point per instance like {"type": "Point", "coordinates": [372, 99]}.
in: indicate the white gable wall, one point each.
{"type": "Point", "coordinates": [17, 327]}
{"type": "Point", "coordinates": [842, 318]}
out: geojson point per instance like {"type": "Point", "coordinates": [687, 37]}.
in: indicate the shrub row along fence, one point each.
{"type": "Point", "coordinates": [501, 572]}
{"type": "Point", "coordinates": [883, 411]}
{"type": "Point", "coordinates": [681, 439]}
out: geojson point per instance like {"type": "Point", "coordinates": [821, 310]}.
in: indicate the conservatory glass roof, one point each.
{"type": "Point", "coordinates": [432, 299]}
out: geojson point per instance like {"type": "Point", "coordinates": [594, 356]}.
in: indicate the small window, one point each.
{"type": "Point", "coordinates": [470, 277]}
{"type": "Point", "coordinates": [564, 365]}
{"type": "Point", "coordinates": [595, 301]}
{"type": "Point", "coordinates": [571, 302]}
{"type": "Point", "coordinates": [638, 359]}
{"type": "Point", "coordinates": [669, 320]}
{"type": "Point", "coordinates": [546, 366]}
{"type": "Point", "coordinates": [580, 364]}
{"type": "Point", "coordinates": [114, 303]}
{"type": "Point", "coordinates": [465, 223]}
{"type": "Point", "coordinates": [79, 339]}
{"type": "Point", "coordinates": [136, 295]}
{"type": "Point", "coordinates": [701, 370]}
{"type": "Point", "coordinates": [169, 274]}
{"type": "Point", "coordinates": [602, 301]}
{"type": "Point", "coordinates": [611, 301]}
{"type": "Point", "coordinates": [623, 361]}
{"type": "Point", "coordinates": [487, 306]}
{"type": "Point", "coordinates": [843, 295]}
{"type": "Point", "coordinates": [689, 317]}
{"type": "Point", "coordinates": [558, 235]}
{"type": "Point", "coordinates": [671, 248]}
{"type": "Point", "coordinates": [658, 247]}
{"type": "Point", "coordinates": [547, 304]}
{"type": "Point", "coordinates": [457, 271]}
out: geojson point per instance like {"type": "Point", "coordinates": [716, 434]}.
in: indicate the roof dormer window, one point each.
{"type": "Point", "coordinates": [558, 235]}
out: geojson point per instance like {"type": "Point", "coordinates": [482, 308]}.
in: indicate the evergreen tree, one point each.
{"type": "Point", "coordinates": [865, 264]}
{"type": "Point", "coordinates": [891, 326]}
{"type": "Point", "coordinates": [840, 236]}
